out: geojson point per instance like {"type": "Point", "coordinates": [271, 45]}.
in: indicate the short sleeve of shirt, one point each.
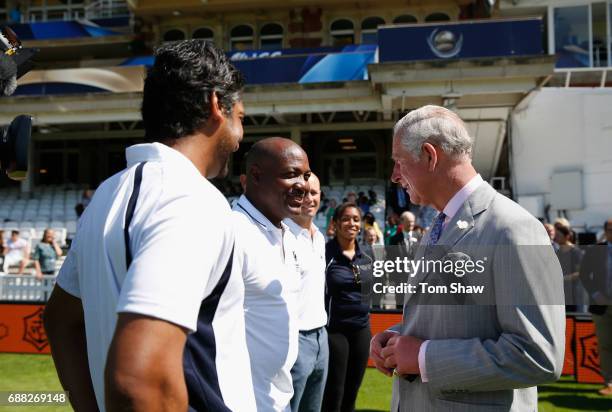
{"type": "Point", "coordinates": [36, 254]}
{"type": "Point", "coordinates": [68, 277]}
{"type": "Point", "coordinates": [174, 255]}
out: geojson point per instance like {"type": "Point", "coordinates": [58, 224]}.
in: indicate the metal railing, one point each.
{"type": "Point", "coordinates": [579, 75]}
{"type": "Point", "coordinates": [106, 8]}
{"type": "Point", "coordinates": [26, 288]}
{"type": "Point", "coordinates": [69, 11]}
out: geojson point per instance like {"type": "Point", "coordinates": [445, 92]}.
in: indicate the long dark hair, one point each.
{"type": "Point", "coordinates": [45, 235]}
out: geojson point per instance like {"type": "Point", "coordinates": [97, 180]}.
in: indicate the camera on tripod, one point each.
{"type": "Point", "coordinates": [15, 61]}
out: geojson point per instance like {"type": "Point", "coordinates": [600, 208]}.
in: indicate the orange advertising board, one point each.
{"type": "Point", "coordinates": [21, 329]}
{"type": "Point", "coordinates": [380, 322]}
{"type": "Point", "coordinates": [569, 365]}
{"type": "Point", "coordinates": [587, 355]}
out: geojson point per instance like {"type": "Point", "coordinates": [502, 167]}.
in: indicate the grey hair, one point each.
{"type": "Point", "coordinates": [435, 125]}
{"type": "Point", "coordinates": [405, 214]}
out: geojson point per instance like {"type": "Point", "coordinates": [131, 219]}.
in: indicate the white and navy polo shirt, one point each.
{"type": "Point", "coordinates": [176, 262]}
{"type": "Point", "coordinates": [272, 283]}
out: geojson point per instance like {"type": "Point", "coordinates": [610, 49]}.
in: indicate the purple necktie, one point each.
{"type": "Point", "coordinates": [436, 229]}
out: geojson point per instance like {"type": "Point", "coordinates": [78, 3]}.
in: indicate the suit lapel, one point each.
{"type": "Point", "coordinates": [456, 229]}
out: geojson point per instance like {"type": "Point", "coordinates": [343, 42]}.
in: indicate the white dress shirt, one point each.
{"type": "Point", "coordinates": [311, 258]}
{"type": "Point", "coordinates": [272, 284]}
{"type": "Point", "coordinates": [450, 210]}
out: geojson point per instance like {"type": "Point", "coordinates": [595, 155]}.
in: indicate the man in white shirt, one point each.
{"type": "Point", "coordinates": [309, 372]}
{"type": "Point", "coordinates": [277, 172]}
{"type": "Point", "coordinates": [132, 327]}
{"type": "Point", "coordinates": [18, 252]}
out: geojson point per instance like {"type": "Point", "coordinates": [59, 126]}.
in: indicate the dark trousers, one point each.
{"type": "Point", "coordinates": [348, 358]}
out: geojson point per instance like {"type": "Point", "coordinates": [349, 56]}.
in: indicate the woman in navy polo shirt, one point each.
{"type": "Point", "coordinates": [348, 280]}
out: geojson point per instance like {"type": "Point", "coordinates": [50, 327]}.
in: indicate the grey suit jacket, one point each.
{"type": "Point", "coordinates": [489, 357]}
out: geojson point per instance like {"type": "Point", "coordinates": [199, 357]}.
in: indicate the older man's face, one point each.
{"type": "Point", "coordinates": [411, 174]}
{"type": "Point", "coordinates": [408, 223]}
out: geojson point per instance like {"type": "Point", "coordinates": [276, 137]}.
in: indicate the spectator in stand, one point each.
{"type": "Point", "coordinates": [397, 198]}
{"type": "Point", "coordinates": [373, 247]}
{"type": "Point", "coordinates": [407, 236]}
{"type": "Point", "coordinates": [348, 273]}
{"type": "Point", "coordinates": [324, 205]}
{"type": "Point", "coordinates": [86, 197]}
{"type": "Point", "coordinates": [564, 222]}
{"type": "Point", "coordinates": [596, 276]}
{"type": "Point", "coordinates": [329, 214]}
{"type": "Point", "coordinates": [46, 254]}
{"type": "Point", "coordinates": [407, 239]}
{"type": "Point", "coordinates": [418, 229]}
{"type": "Point", "coordinates": [391, 228]}
{"type": "Point", "coordinates": [373, 197]}
{"type": "Point", "coordinates": [372, 244]}
{"type": "Point", "coordinates": [425, 216]}
{"type": "Point", "coordinates": [370, 237]}
{"type": "Point", "coordinates": [79, 209]}
{"type": "Point", "coordinates": [570, 258]}
{"type": "Point", "coordinates": [364, 204]}
{"type": "Point", "coordinates": [550, 229]}
{"type": "Point", "coordinates": [351, 197]}
{"type": "Point", "coordinates": [3, 250]}
{"type": "Point", "coordinates": [17, 252]}
{"type": "Point", "coordinates": [369, 221]}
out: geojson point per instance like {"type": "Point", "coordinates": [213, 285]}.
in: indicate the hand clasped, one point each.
{"type": "Point", "coordinates": [401, 353]}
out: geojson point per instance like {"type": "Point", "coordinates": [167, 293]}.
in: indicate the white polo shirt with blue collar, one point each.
{"type": "Point", "coordinates": [272, 284]}
{"type": "Point", "coordinates": [181, 241]}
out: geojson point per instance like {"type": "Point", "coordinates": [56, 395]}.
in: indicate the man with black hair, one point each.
{"type": "Point", "coordinates": [120, 317]}
{"type": "Point", "coordinates": [277, 172]}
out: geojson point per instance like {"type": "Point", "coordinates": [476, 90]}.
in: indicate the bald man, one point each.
{"type": "Point", "coordinates": [407, 241]}
{"type": "Point", "coordinates": [310, 370]}
{"type": "Point", "coordinates": [276, 184]}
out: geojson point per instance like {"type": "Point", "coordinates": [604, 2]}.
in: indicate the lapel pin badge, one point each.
{"type": "Point", "coordinates": [462, 224]}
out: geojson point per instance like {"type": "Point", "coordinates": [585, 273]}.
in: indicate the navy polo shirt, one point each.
{"type": "Point", "coordinates": [347, 302]}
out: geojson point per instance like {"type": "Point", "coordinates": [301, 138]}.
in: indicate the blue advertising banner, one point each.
{"type": "Point", "coordinates": [68, 29]}
{"type": "Point", "coordinates": [329, 64]}
{"type": "Point", "coordinates": [473, 39]}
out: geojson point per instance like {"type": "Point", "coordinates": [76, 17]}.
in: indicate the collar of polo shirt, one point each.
{"type": "Point", "coordinates": [296, 229]}
{"type": "Point", "coordinates": [257, 216]}
{"type": "Point", "coordinates": [156, 152]}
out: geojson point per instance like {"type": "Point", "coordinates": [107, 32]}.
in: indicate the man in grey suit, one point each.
{"type": "Point", "coordinates": [471, 357]}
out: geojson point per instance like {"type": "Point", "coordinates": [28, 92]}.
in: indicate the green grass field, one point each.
{"type": "Point", "coordinates": [36, 373]}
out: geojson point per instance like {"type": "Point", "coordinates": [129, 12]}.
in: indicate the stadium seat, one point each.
{"type": "Point", "coordinates": [71, 228]}
{"type": "Point", "coordinates": [60, 235]}
{"type": "Point", "coordinates": [26, 225]}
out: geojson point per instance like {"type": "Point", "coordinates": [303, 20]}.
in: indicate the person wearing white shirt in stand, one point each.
{"type": "Point", "coordinates": [310, 370]}
{"type": "Point", "coordinates": [18, 252]}
{"type": "Point", "coordinates": [277, 172]}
